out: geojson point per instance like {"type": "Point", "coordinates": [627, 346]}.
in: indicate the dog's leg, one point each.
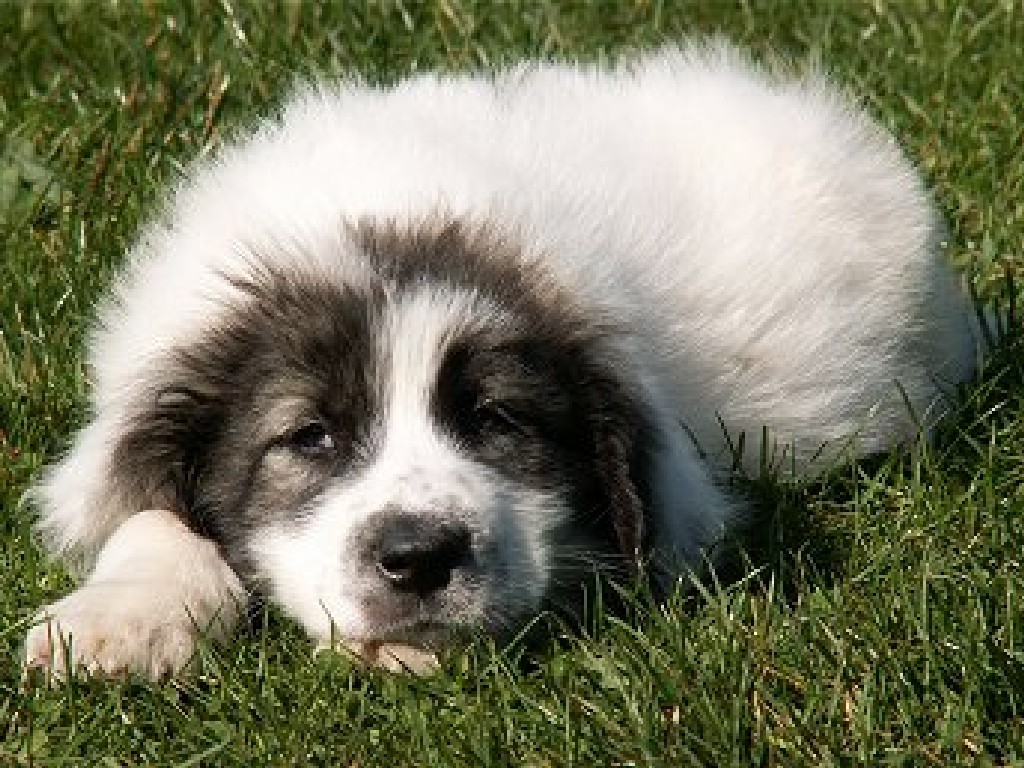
{"type": "Point", "coordinates": [155, 587]}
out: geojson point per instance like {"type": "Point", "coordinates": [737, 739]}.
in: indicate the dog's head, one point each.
{"type": "Point", "coordinates": [444, 444]}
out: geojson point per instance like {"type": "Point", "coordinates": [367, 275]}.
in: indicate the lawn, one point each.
{"type": "Point", "coordinates": [879, 617]}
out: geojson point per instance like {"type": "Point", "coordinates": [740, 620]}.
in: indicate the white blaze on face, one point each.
{"type": "Point", "coordinates": [311, 560]}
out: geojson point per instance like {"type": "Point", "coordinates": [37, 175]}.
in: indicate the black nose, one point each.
{"type": "Point", "coordinates": [417, 555]}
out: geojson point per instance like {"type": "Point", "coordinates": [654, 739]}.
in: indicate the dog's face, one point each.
{"type": "Point", "coordinates": [438, 447]}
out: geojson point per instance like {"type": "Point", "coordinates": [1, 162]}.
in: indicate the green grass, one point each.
{"type": "Point", "coordinates": [881, 620]}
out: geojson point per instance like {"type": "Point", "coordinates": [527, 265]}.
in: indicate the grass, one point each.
{"type": "Point", "coordinates": [881, 620]}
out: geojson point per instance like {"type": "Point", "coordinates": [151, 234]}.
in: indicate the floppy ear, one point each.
{"type": "Point", "coordinates": [120, 463]}
{"type": "Point", "coordinates": [666, 510]}
{"type": "Point", "coordinates": [623, 441]}
{"type": "Point", "coordinates": [158, 460]}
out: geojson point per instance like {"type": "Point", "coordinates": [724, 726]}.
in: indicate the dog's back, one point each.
{"type": "Point", "coordinates": [774, 254]}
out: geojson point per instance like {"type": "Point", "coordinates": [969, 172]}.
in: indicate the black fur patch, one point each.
{"type": "Point", "coordinates": [214, 442]}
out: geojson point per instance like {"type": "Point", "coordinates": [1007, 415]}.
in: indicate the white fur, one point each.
{"type": "Point", "coordinates": [770, 251]}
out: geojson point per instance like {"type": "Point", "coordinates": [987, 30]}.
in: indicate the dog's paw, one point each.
{"type": "Point", "coordinates": [111, 630]}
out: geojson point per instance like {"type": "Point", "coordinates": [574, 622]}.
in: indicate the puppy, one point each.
{"type": "Point", "coordinates": [414, 361]}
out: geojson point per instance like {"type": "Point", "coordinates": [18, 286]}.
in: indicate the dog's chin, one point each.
{"type": "Point", "coordinates": [390, 656]}
{"type": "Point", "coordinates": [405, 646]}
{"type": "Point", "coordinates": [425, 633]}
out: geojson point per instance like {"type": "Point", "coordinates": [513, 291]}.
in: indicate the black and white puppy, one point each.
{"type": "Point", "coordinates": [410, 360]}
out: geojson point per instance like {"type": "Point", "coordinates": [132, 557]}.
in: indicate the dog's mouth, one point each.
{"type": "Point", "coordinates": [407, 633]}
{"type": "Point", "coordinates": [416, 631]}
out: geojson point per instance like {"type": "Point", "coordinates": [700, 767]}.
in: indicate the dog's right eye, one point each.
{"type": "Point", "coordinates": [312, 439]}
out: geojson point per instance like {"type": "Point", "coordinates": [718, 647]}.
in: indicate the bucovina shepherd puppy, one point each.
{"type": "Point", "coordinates": [412, 360]}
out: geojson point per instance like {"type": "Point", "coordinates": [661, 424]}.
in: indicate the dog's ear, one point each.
{"type": "Point", "coordinates": [623, 441]}
{"type": "Point", "coordinates": [158, 459]}
{"type": "Point", "coordinates": [123, 463]}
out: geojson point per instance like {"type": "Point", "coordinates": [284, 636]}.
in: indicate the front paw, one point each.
{"type": "Point", "coordinates": [112, 630]}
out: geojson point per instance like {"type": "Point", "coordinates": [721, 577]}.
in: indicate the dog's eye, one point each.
{"type": "Point", "coordinates": [499, 414]}
{"type": "Point", "coordinates": [312, 439]}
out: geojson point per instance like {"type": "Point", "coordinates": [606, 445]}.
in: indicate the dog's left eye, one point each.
{"type": "Point", "coordinates": [312, 439]}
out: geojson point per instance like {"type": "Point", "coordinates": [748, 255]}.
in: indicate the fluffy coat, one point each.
{"type": "Point", "coordinates": [746, 250]}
